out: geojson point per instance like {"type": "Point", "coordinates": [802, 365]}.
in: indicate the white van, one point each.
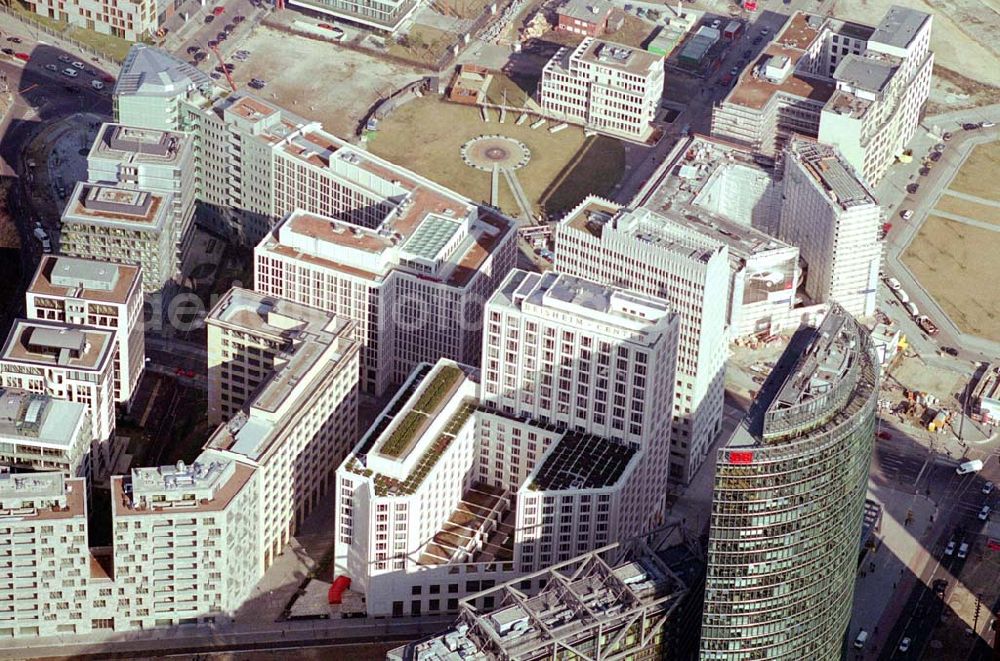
{"type": "Point", "coordinates": [912, 309]}
{"type": "Point", "coordinates": [967, 467]}
{"type": "Point", "coordinates": [859, 642]}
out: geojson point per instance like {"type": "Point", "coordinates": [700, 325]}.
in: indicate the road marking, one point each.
{"type": "Point", "coordinates": [28, 89]}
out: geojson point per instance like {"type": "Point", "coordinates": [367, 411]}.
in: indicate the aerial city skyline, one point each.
{"type": "Point", "coordinates": [518, 330]}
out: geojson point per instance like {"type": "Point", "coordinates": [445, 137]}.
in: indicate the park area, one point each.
{"type": "Point", "coordinates": [426, 135]}
{"type": "Point", "coordinates": [954, 254]}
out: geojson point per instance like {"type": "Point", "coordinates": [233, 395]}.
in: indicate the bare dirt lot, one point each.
{"type": "Point", "coordinates": [954, 262]}
{"type": "Point", "coordinates": [976, 175]}
{"type": "Point", "coordinates": [426, 136]}
{"type": "Point", "coordinates": [981, 212]}
{"type": "Point", "coordinates": [319, 80]}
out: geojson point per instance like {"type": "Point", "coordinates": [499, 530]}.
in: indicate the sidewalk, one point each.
{"type": "Point", "coordinates": [880, 593]}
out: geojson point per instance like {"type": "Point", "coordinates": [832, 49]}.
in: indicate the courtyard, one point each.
{"type": "Point", "coordinates": [426, 135]}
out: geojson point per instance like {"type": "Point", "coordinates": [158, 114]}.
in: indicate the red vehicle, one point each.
{"type": "Point", "coordinates": [22, 56]}
{"type": "Point", "coordinates": [107, 78]}
{"type": "Point", "coordinates": [884, 435]}
{"type": "Point", "coordinates": [341, 583]}
{"type": "Point", "coordinates": [325, 26]}
{"type": "Point", "coordinates": [218, 11]}
{"type": "Point", "coordinates": [927, 325]}
{"type": "Point", "coordinates": [750, 5]}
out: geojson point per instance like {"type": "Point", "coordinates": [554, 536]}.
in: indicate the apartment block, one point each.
{"type": "Point", "coordinates": [75, 364]}
{"type": "Point", "coordinates": [789, 500]}
{"type": "Point", "coordinates": [41, 434]}
{"type": "Point", "coordinates": [182, 536]}
{"type": "Point", "coordinates": [415, 530]}
{"type": "Point", "coordinates": [127, 20]}
{"type": "Point", "coordinates": [122, 226]}
{"type": "Point", "coordinates": [149, 160]}
{"type": "Point", "coordinates": [83, 292]}
{"type": "Point", "coordinates": [638, 250]}
{"type": "Point", "coordinates": [383, 15]}
{"type": "Point", "coordinates": [151, 87]}
{"type": "Point", "coordinates": [830, 213]}
{"type": "Point", "coordinates": [859, 88]}
{"type": "Point", "coordinates": [595, 361]}
{"type": "Point", "coordinates": [604, 87]}
{"type": "Point", "coordinates": [45, 564]}
{"type": "Point", "coordinates": [299, 423]}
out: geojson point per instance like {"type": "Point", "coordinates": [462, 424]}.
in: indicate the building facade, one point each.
{"type": "Point", "coordinates": [604, 87]}
{"type": "Point", "coordinates": [122, 226]}
{"type": "Point", "coordinates": [830, 213]}
{"type": "Point", "coordinates": [636, 250]}
{"type": "Point", "coordinates": [75, 364]}
{"type": "Point", "coordinates": [81, 292]}
{"type": "Point", "coordinates": [299, 423]}
{"type": "Point", "coordinates": [41, 434]}
{"type": "Point", "coordinates": [384, 15]}
{"type": "Point", "coordinates": [788, 502]}
{"type": "Point", "coordinates": [128, 20]}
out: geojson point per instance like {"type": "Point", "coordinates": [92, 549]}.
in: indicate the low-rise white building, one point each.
{"type": "Point", "coordinates": [183, 537]}
{"type": "Point", "coordinates": [122, 226]}
{"type": "Point", "coordinates": [82, 292]}
{"type": "Point", "coordinates": [41, 434]}
{"type": "Point", "coordinates": [71, 363]}
{"type": "Point", "coordinates": [605, 87]}
{"type": "Point", "coordinates": [298, 424]}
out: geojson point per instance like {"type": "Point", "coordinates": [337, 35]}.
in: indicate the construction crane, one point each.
{"type": "Point", "coordinates": [222, 65]}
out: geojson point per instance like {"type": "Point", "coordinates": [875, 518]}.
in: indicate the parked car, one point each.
{"type": "Point", "coordinates": [912, 188]}
{"type": "Point", "coordinates": [988, 488]}
{"type": "Point", "coordinates": [51, 67]}
{"type": "Point", "coordinates": [735, 71]}
{"type": "Point", "coordinates": [199, 56]}
{"type": "Point", "coordinates": [907, 214]}
{"type": "Point", "coordinates": [108, 78]}
{"type": "Point", "coordinates": [213, 44]}
{"type": "Point", "coordinates": [935, 156]}
{"type": "Point", "coordinates": [987, 125]}
{"type": "Point", "coordinates": [209, 19]}
{"type": "Point", "coordinates": [239, 19]}
{"type": "Point", "coordinates": [72, 73]}
{"type": "Point", "coordinates": [940, 585]}
{"type": "Point", "coordinates": [24, 57]}
{"type": "Point", "coordinates": [904, 645]}
{"type": "Point", "coordinates": [950, 549]}
{"type": "Point", "coordinates": [951, 351]}
{"type": "Point", "coordinates": [963, 551]}
{"type": "Point", "coordinates": [893, 284]}
{"type": "Point", "coordinates": [229, 27]}
{"type": "Point", "coordinates": [757, 40]}
{"type": "Point", "coordinates": [193, 49]}
{"type": "Point", "coordinates": [940, 146]}
{"type": "Point", "coordinates": [924, 171]}
{"type": "Point", "coordinates": [14, 40]}
{"type": "Point", "coordinates": [884, 435]}
{"type": "Point", "coordinates": [969, 126]}
{"type": "Point", "coordinates": [97, 85]}
{"type": "Point", "coordinates": [219, 11]}
{"type": "Point", "coordinates": [215, 75]}
{"type": "Point", "coordinates": [7, 51]}
{"type": "Point", "coordinates": [984, 513]}
{"type": "Point", "coordinates": [65, 58]}
{"type": "Point", "coordinates": [257, 83]}
{"type": "Point", "coordinates": [78, 65]}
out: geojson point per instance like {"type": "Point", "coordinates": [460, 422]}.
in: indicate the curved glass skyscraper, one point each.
{"type": "Point", "coordinates": [789, 497]}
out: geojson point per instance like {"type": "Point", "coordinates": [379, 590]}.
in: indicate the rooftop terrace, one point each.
{"type": "Point", "coordinates": [39, 418]}
{"type": "Point", "coordinates": [129, 144]}
{"type": "Point", "coordinates": [41, 496]}
{"type": "Point", "coordinates": [754, 91]}
{"type": "Point", "coordinates": [55, 345]}
{"type": "Point", "coordinates": [582, 461]}
{"type": "Point", "coordinates": [75, 277]}
{"type": "Point", "coordinates": [208, 485]}
{"type": "Point", "coordinates": [114, 206]}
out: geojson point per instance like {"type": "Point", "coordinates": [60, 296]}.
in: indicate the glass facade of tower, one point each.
{"type": "Point", "coordinates": [788, 503]}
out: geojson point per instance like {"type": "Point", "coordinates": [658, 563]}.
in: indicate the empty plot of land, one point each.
{"type": "Point", "coordinates": [319, 80]}
{"type": "Point", "coordinates": [977, 174]}
{"type": "Point", "coordinates": [957, 265]}
{"type": "Point", "coordinates": [426, 136]}
{"type": "Point", "coordinates": [984, 213]}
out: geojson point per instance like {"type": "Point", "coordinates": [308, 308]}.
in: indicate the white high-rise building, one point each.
{"type": "Point", "coordinates": [605, 87]}
{"type": "Point", "coordinates": [183, 538]}
{"type": "Point", "coordinates": [637, 250]}
{"type": "Point", "coordinates": [150, 160]}
{"type": "Point", "coordinates": [834, 219]}
{"type": "Point", "coordinates": [83, 292]}
{"type": "Point", "coordinates": [850, 85]}
{"type": "Point", "coordinates": [596, 361]}
{"type": "Point", "coordinates": [298, 424]}
{"type": "Point", "coordinates": [71, 363]}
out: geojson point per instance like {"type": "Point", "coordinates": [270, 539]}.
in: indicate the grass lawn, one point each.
{"type": "Point", "coordinates": [516, 93]}
{"type": "Point", "coordinates": [982, 212]}
{"type": "Point", "coordinates": [111, 46]}
{"type": "Point", "coordinates": [974, 176]}
{"type": "Point", "coordinates": [423, 44]}
{"type": "Point", "coordinates": [426, 135]}
{"type": "Point", "coordinates": [51, 23]}
{"type": "Point", "coordinates": [952, 260]}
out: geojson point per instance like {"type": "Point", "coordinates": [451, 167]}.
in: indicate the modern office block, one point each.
{"type": "Point", "coordinates": [41, 434]}
{"type": "Point", "coordinates": [788, 503]}
{"type": "Point", "coordinates": [637, 250]}
{"type": "Point", "coordinates": [833, 217]}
